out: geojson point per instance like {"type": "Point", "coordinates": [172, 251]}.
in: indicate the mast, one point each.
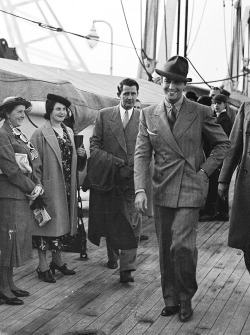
{"type": "Point", "coordinates": [186, 29]}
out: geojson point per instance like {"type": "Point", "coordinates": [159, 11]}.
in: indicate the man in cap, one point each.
{"type": "Point", "coordinates": [173, 130]}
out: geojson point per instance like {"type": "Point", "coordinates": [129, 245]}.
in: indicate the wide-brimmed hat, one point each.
{"type": "Point", "coordinates": [176, 68]}
{"type": "Point", "coordinates": [219, 98]}
{"type": "Point", "coordinates": [60, 99]}
{"type": "Point", "coordinates": [14, 101]}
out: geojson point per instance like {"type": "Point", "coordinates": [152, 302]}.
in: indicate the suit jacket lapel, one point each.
{"type": "Point", "coordinates": [164, 128]}
{"type": "Point", "coordinates": [116, 127]}
{"type": "Point", "coordinates": [186, 116]}
{"type": "Point", "coordinates": [50, 137]}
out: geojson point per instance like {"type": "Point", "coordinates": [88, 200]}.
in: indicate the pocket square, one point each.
{"type": "Point", "coordinates": [150, 132]}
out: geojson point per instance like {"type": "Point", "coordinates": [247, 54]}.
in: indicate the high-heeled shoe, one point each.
{"type": "Point", "coordinates": [11, 301]}
{"type": "Point", "coordinates": [20, 293]}
{"type": "Point", "coordinates": [63, 269]}
{"type": "Point", "coordinates": [45, 276]}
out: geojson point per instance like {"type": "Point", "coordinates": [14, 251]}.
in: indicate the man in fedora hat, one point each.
{"type": "Point", "coordinates": [173, 131]}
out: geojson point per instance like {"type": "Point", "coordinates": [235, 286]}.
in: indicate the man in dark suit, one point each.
{"type": "Point", "coordinates": [223, 119]}
{"type": "Point", "coordinates": [115, 133]}
{"type": "Point", "coordinates": [174, 131]}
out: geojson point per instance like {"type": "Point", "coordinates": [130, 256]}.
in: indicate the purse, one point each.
{"type": "Point", "coordinates": [40, 213]}
{"type": "Point", "coordinates": [23, 162]}
{"type": "Point", "coordinates": [41, 216]}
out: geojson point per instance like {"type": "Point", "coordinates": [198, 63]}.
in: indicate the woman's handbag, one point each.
{"type": "Point", "coordinates": [23, 162]}
{"type": "Point", "coordinates": [40, 213]}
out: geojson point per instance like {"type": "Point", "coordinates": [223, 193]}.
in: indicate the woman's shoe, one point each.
{"type": "Point", "coordinates": [11, 301]}
{"type": "Point", "coordinates": [45, 276]}
{"type": "Point", "coordinates": [20, 293]}
{"type": "Point", "coordinates": [63, 269]}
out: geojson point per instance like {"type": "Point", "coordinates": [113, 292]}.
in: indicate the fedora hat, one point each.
{"type": "Point", "coordinates": [58, 98]}
{"type": "Point", "coordinates": [13, 102]}
{"type": "Point", "coordinates": [176, 68]}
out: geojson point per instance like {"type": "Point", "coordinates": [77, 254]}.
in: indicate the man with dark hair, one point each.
{"type": "Point", "coordinates": [174, 131]}
{"type": "Point", "coordinates": [113, 143]}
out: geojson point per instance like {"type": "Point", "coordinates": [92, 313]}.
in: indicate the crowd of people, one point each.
{"type": "Point", "coordinates": [181, 145]}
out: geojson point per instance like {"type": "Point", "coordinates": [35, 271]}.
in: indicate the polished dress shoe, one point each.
{"type": "Point", "coordinates": [63, 269]}
{"type": "Point", "coordinates": [125, 277]}
{"type": "Point", "coordinates": [45, 276]}
{"type": "Point", "coordinates": [185, 311]}
{"type": "Point", "coordinates": [11, 301]}
{"type": "Point", "coordinates": [170, 310]}
{"type": "Point", "coordinates": [112, 264]}
{"type": "Point", "coordinates": [20, 293]}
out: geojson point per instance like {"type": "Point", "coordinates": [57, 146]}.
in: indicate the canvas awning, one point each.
{"type": "Point", "coordinates": [88, 92]}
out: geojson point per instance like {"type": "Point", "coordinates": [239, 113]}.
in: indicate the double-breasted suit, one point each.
{"type": "Point", "coordinates": [119, 144]}
{"type": "Point", "coordinates": [179, 189]}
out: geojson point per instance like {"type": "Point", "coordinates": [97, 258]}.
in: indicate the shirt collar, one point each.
{"type": "Point", "coordinates": [122, 111]}
{"type": "Point", "coordinates": [177, 105]}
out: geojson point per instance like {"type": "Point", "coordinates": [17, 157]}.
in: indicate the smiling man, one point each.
{"type": "Point", "coordinates": [173, 131]}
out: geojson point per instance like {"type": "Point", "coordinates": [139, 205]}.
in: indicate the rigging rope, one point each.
{"type": "Point", "coordinates": [191, 22]}
{"type": "Point", "coordinates": [61, 30]}
{"type": "Point", "coordinates": [198, 28]}
{"type": "Point", "coordinates": [142, 64]}
{"type": "Point", "coordinates": [225, 38]}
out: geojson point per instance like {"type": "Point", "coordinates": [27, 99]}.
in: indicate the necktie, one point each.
{"type": "Point", "coordinates": [125, 119]}
{"type": "Point", "coordinates": [172, 116]}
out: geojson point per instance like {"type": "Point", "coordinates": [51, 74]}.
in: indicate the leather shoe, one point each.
{"type": "Point", "coordinates": [20, 293]}
{"type": "Point", "coordinates": [185, 312]}
{"type": "Point", "coordinates": [45, 276]}
{"type": "Point", "coordinates": [63, 269]}
{"type": "Point", "coordinates": [125, 277]}
{"type": "Point", "coordinates": [170, 310]}
{"type": "Point", "coordinates": [11, 301]}
{"type": "Point", "coordinates": [112, 264]}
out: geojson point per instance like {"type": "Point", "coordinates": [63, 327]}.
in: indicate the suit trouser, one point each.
{"type": "Point", "coordinates": [176, 230]}
{"type": "Point", "coordinates": [127, 257]}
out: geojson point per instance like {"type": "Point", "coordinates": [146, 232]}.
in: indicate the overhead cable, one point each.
{"type": "Point", "coordinates": [142, 64]}
{"type": "Point", "coordinates": [61, 30]}
{"type": "Point", "coordinates": [203, 11]}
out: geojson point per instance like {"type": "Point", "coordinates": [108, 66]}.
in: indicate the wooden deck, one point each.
{"type": "Point", "coordinates": [93, 299]}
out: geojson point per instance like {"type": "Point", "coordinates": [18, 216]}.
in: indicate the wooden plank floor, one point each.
{"type": "Point", "coordinates": [93, 299]}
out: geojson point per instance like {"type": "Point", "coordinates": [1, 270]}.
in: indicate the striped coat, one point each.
{"type": "Point", "coordinates": [178, 155]}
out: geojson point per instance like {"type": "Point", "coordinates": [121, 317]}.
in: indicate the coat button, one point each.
{"type": "Point", "coordinates": [245, 171]}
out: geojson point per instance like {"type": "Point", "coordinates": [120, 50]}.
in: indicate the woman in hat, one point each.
{"type": "Point", "coordinates": [18, 186]}
{"type": "Point", "coordinates": [57, 169]}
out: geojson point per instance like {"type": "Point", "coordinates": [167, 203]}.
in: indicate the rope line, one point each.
{"type": "Point", "coordinates": [61, 30]}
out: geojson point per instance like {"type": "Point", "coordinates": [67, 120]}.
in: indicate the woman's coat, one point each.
{"type": "Point", "coordinates": [50, 170]}
{"type": "Point", "coordinates": [239, 157]}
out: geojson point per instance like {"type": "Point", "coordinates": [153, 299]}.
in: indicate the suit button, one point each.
{"type": "Point", "coordinates": [247, 133]}
{"type": "Point", "coordinates": [245, 171]}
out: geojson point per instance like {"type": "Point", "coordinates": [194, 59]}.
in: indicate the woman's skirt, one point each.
{"type": "Point", "coordinates": [15, 232]}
